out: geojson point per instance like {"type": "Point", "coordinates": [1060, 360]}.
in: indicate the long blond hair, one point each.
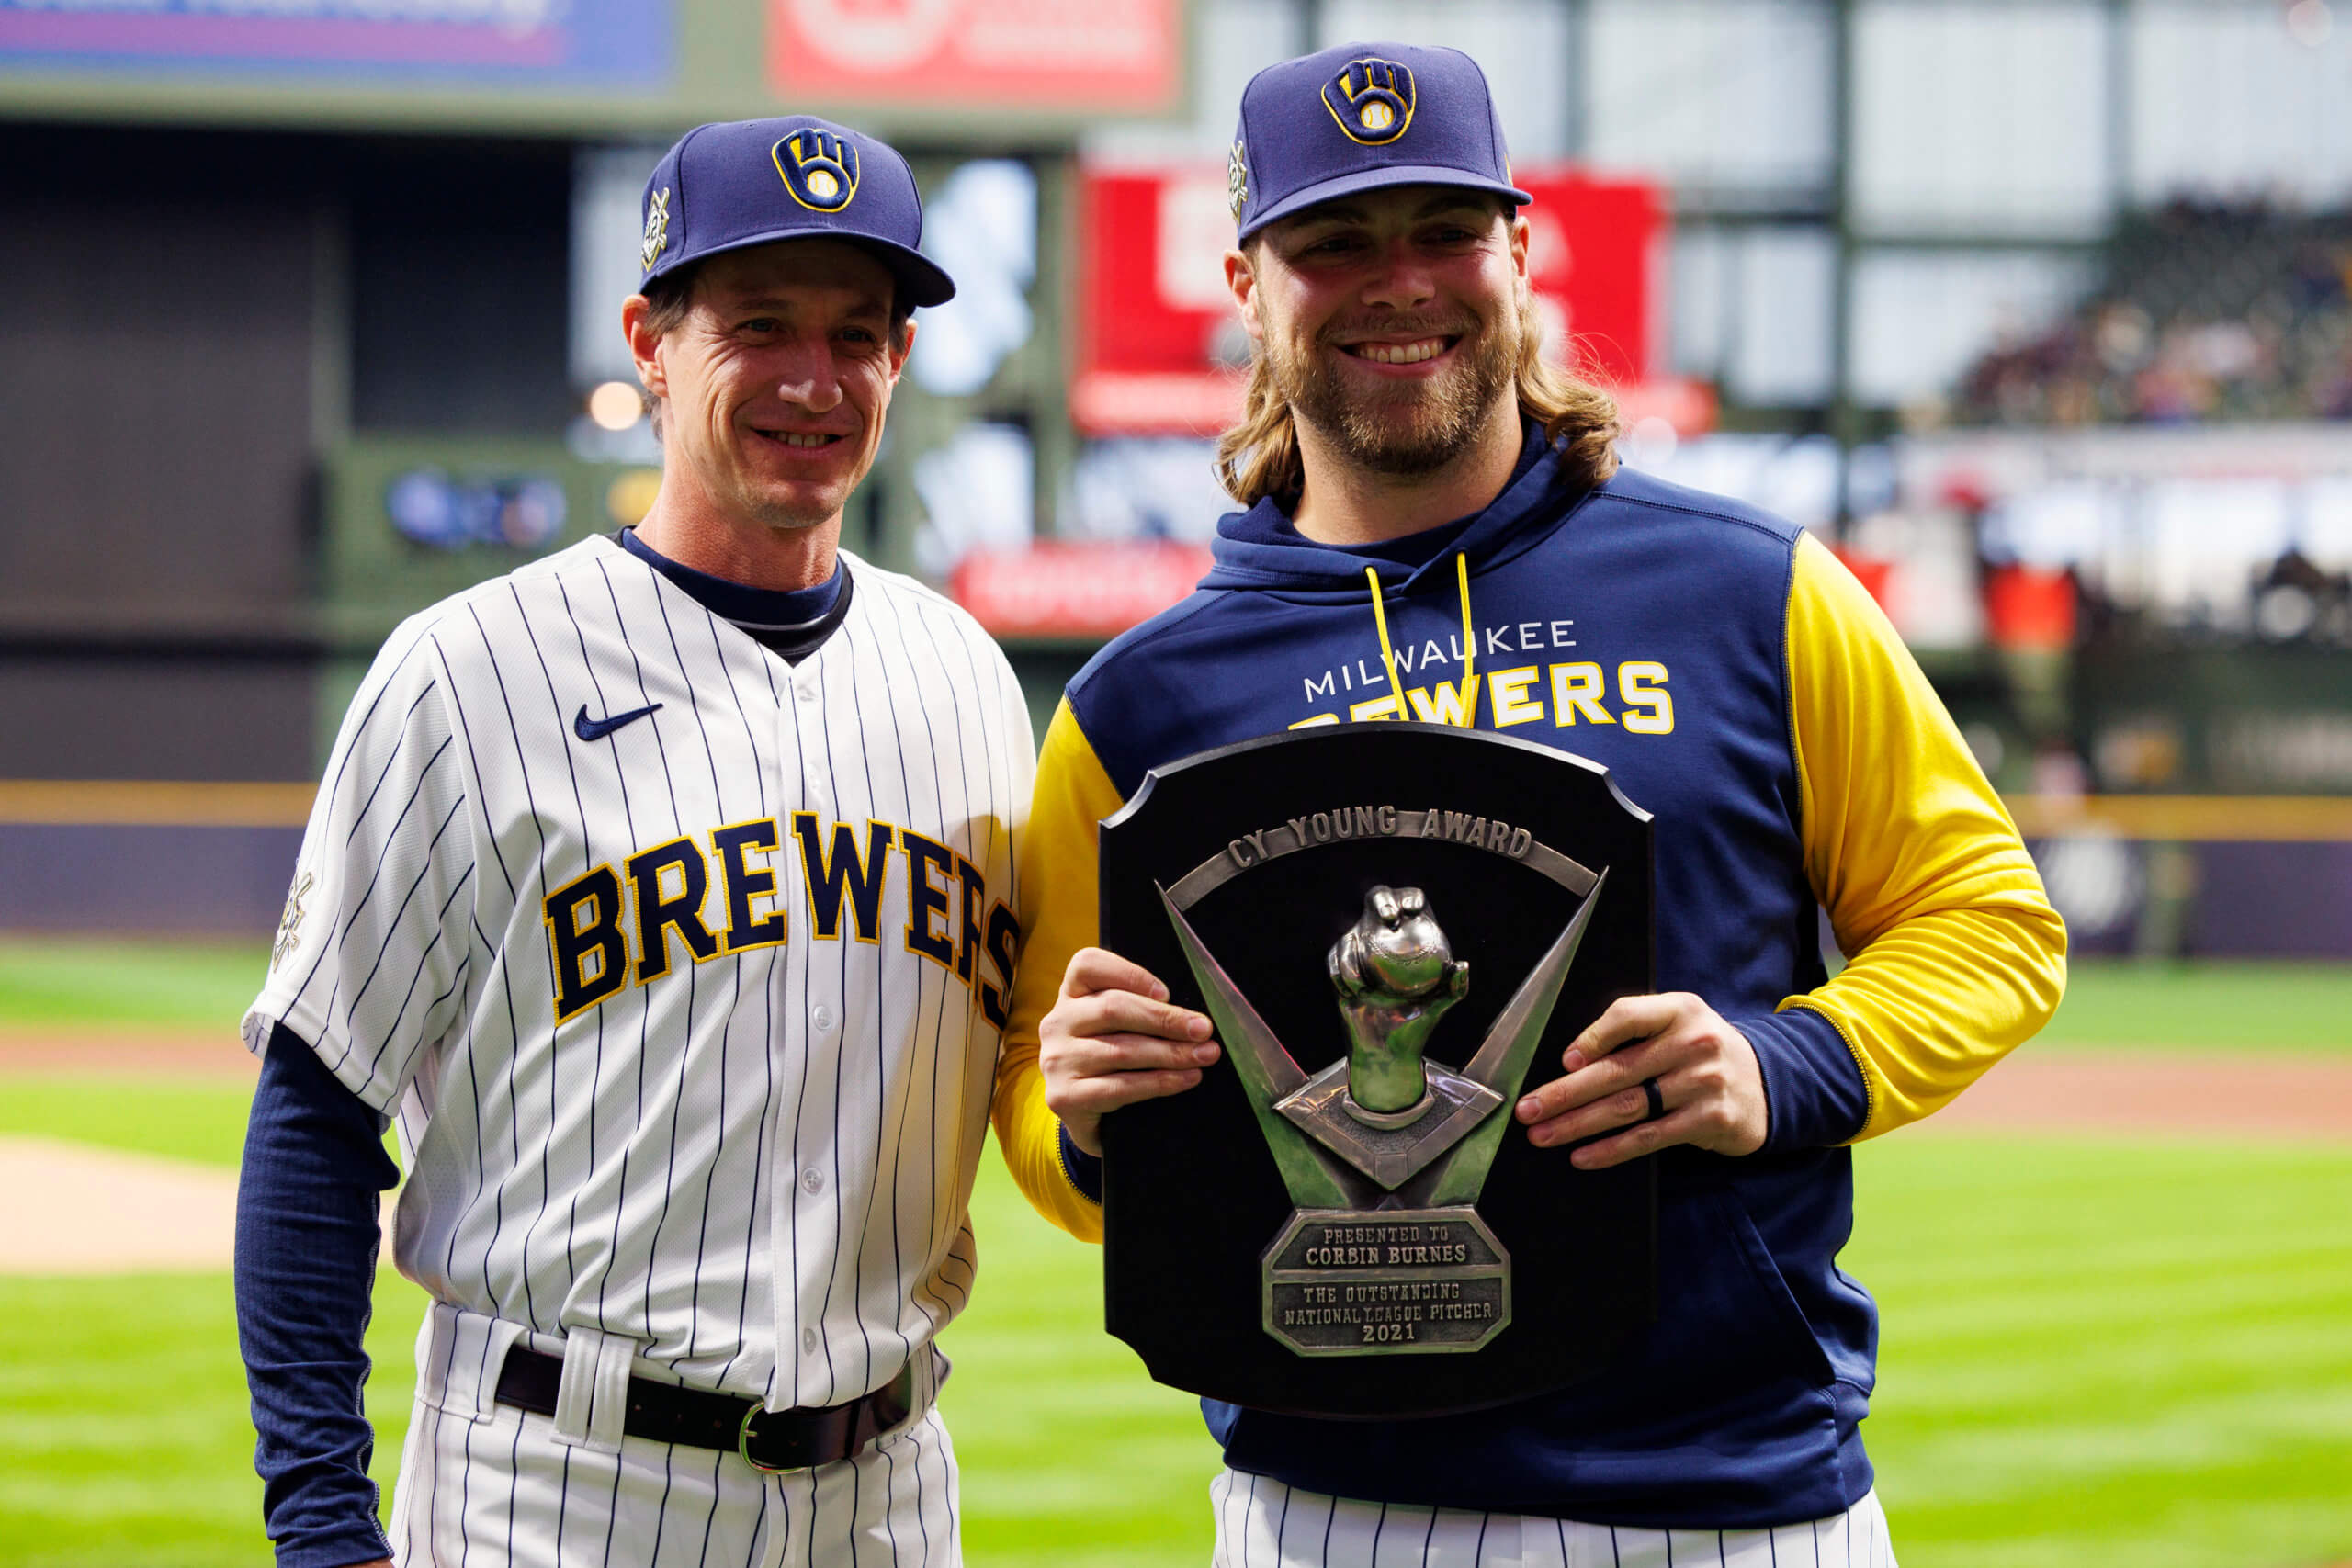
{"type": "Point", "coordinates": [1258, 457]}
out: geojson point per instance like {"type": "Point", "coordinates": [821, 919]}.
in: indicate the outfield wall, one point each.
{"type": "Point", "coordinates": [194, 881]}
{"type": "Point", "coordinates": [133, 856]}
{"type": "Point", "coordinates": [2160, 875]}
{"type": "Point", "coordinates": [2209, 899]}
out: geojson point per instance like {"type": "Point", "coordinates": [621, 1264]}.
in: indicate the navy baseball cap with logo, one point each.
{"type": "Point", "coordinates": [727, 185]}
{"type": "Point", "coordinates": [1361, 117]}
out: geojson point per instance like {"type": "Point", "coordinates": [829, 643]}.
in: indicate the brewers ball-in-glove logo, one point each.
{"type": "Point", "coordinates": [657, 228]}
{"type": "Point", "coordinates": [290, 924]}
{"type": "Point", "coordinates": [1371, 100]}
{"type": "Point", "coordinates": [819, 168]}
{"type": "Point", "coordinates": [1237, 180]}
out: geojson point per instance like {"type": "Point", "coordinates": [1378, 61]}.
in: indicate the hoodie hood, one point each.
{"type": "Point", "coordinates": [1259, 550]}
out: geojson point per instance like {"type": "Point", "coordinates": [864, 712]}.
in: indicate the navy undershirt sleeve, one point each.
{"type": "Point", "coordinates": [1813, 1087]}
{"type": "Point", "coordinates": [307, 1233]}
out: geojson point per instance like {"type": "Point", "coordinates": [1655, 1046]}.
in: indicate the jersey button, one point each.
{"type": "Point", "coordinates": [823, 1019]}
{"type": "Point", "coordinates": [807, 1341]}
{"type": "Point", "coordinates": [812, 1180]}
{"type": "Point", "coordinates": [807, 694]}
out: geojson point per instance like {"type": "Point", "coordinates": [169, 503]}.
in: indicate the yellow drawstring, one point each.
{"type": "Point", "coordinates": [1469, 639]}
{"type": "Point", "coordinates": [1469, 645]}
{"type": "Point", "coordinates": [1387, 655]}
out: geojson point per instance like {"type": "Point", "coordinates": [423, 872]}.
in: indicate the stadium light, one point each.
{"type": "Point", "coordinates": [616, 405]}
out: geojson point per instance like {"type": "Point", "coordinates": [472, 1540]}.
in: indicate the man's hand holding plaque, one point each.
{"type": "Point", "coordinates": [1657, 1070]}
{"type": "Point", "coordinates": [1113, 1038]}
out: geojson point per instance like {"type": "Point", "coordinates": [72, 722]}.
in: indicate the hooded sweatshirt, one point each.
{"type": "Point", "coordinates": [1744, 689]}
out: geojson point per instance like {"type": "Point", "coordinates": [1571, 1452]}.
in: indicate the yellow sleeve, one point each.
{"type": "Point", "coordinates": [1954, 953]}
{"type": "Point", "coordinates": [1057, 861]}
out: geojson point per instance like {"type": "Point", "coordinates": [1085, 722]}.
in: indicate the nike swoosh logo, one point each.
{"type": "Point", "coordinates": [597, 728]}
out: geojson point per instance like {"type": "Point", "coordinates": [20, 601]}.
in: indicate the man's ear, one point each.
{"type": "Point", "coordinates": [1519, 235]}
{"type": "Point", "coordinates": [644, 344]}
{"type": "Point", "coordinates": [1240, 278]}
{"type": "Point", "coordinates": [902, 342]}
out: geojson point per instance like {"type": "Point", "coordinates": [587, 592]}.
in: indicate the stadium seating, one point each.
{"type": "Point", "coordinates": [2208, 312]}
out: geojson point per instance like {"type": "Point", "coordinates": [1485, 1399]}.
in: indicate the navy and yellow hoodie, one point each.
{"type": "Point", "coordinates": [1745, 691]}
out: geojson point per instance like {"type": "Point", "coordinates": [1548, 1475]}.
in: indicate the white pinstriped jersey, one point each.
{"type": "Point", "coordinates": [690, 1028]}
{"type": "Point", "coordinates": [1262, 1523]}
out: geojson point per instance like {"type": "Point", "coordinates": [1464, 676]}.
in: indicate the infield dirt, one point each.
{"type": "Point", "coordinates": [138, 1055]}
{"type": "Point", "coordinates": [2224, 1095]}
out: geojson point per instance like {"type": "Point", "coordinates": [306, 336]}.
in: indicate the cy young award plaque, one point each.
{"type": "Point", "coordinates": [1397, 929]}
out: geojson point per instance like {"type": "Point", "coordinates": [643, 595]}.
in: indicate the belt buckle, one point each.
{"type": "Point", "coordinates": [744, 1446]}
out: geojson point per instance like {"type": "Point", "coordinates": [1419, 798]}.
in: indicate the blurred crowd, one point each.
{"type": "Point", "coordinates": [2209, 312]}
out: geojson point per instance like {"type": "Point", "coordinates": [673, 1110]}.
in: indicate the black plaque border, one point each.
{"type": "Point", "coordinates": [1557, 1337]}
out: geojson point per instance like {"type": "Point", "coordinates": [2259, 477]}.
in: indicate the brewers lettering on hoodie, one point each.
{"type": "Point", "coordinates": [1741, 686]}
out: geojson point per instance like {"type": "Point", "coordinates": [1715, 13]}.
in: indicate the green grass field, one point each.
{"type": "Point", "coordinates": [2095, 1352]}
{"type": "Point", "coordinates": [127, 987]}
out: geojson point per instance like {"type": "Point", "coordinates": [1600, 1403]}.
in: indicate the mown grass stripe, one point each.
{"type": "Point", "coordinates": [2096, 1352]}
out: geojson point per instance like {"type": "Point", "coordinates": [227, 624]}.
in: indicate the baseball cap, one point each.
{"type": "Point", "coordinates": [747, 182]}
{"type": "Point", "coordinates": [1361, 117]}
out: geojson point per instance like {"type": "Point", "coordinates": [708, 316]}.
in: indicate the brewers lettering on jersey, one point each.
{"type": "Point", "coordinates": [664, 891]}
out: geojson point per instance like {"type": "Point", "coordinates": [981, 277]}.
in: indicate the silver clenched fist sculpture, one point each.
{"type": "Point", "coordinates": [1396, 975]}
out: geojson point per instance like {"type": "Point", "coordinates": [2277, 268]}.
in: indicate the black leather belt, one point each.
{"type": "Point", "coordinates": [766, 1439]}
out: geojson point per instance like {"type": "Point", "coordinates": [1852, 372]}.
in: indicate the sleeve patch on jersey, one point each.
{"type": "Point", "coordinates": [290, 924]}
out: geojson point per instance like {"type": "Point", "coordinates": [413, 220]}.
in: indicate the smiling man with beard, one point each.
{"type": "Point", "coordinates": [1436, 529]}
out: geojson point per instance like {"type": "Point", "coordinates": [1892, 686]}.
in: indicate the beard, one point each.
{"type": "Point", "coordinates": [796, 506]}
{"type": "Point", "coordinates": [1406, 430]}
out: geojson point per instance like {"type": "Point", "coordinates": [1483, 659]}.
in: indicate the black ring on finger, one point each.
{"type": "Point", "coordinates": [1656, 1101]}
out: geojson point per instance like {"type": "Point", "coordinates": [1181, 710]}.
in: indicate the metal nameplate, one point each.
{"type": "Point", "coordinates": [1386, 1282]}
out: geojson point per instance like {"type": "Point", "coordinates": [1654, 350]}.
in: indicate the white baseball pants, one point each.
{"type": "Point", "coordinates": [486, 1485]}
{"type": "Point", "coordinates": [1262, 1523]}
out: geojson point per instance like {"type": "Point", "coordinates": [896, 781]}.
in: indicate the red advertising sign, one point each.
{"type": "Point", "coordinates": [1094, 55]}
{"type": "Point", "coordinates": [1593, 250]}
{"type": "Point", "coordinates": [1095, 589]}
{"type": "Point", "coordinates": [1160, 351]}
